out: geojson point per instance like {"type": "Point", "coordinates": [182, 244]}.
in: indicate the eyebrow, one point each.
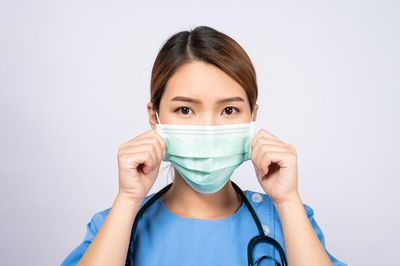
{"type": "Point", "coordinates": [191, 100]}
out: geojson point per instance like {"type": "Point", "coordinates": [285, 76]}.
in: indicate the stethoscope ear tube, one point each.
{"type": "Point", "coordinates": [138, 215]}
{"type": "Point", "coordinates": [259, 238]}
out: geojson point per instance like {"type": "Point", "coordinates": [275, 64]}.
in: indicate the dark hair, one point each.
{"type": "Point", "coordinates": [208, 45]}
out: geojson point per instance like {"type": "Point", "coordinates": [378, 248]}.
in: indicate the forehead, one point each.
{"type": "Point", "coordinates": [202, 81]}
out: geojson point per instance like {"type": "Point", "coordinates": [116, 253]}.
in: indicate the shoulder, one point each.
{"type": "Point", "coordinates": [258, 199]}
{"type": "Point", "coordinates": [98, 218]}
{"type": "Point", "coordinates": [262, 204]}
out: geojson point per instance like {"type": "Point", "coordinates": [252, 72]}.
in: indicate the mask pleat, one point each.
{"type": "Point", "coordinates": [206, 156]}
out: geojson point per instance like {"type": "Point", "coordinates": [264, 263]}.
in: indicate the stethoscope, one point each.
{"type": "Point", "coordinates": [256, 239]}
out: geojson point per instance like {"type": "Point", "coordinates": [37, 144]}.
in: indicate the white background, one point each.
{"type": "Point", "coordinates": [74, 79]}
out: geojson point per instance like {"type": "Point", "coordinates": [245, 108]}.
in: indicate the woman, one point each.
{"type": "Point", "coordinates": [203, 79]}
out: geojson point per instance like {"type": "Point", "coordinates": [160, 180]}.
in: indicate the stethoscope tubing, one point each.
{"type": "Point", "coordinates": [256, 239]}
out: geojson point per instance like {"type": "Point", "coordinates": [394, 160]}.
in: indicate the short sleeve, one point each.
{"type": "Point", "coordinates": [317, 229]}
{"type": "Point", "coordinates": [91, 230]}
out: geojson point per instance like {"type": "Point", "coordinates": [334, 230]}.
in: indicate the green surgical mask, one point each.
{"type": "Point", "coordinates": [206, 156]}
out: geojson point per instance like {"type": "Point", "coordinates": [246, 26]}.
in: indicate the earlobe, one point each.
{"type": "Point", "coordinates": [255, 109]}
{"type": "Point", "coordinates": [152, 116]}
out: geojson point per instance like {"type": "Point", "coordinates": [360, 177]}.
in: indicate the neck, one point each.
{"type": "Point", "coordinates": [184, 201]}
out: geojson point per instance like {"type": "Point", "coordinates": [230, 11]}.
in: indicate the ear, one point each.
{"type": "Point", "coordinates": [255, 109]}
{"type": "Point", "coordinates": [152, 115]}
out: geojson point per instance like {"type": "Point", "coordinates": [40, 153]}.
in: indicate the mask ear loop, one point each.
{"type": "Point", "coordinates": [158, 119]}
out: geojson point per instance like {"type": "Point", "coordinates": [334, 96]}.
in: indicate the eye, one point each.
{"type": "Point", "coordinates": [231, 110]}
{"type": "Point", "coordinates": [185, 110]}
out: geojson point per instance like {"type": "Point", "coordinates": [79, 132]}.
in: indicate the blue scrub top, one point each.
{"type": "Point", "coordinates": [164, 238]}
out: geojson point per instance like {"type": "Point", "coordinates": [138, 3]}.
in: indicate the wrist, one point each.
{"type": "Point", "coordinates": [288, 201]}
{"type": "Point", "coordinates": [127, 200]}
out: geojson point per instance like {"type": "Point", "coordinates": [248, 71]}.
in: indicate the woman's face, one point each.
{"type": "Point", "coordinates": [201, 94]}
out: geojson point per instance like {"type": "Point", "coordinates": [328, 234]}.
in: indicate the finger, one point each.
{"type": "Point", "coordinates": [159, 152]}
{"type": "Point", "coordinates": [160, 139]}
{"type": "Point", "coordinates": [152, 141]}
{"type": "Point", "coordinates": [259, 152]}
{"type": "Point", "coordinates": [132, 161]}
{"type": "Point", "coordinates": [146, 148]}
{"type": "Point", "coordinates": [280, 158]}
{"type": "Point", "coordinates": [144, 134]}
{"type": "Point", "coordinates": [152, 137]}
{"type": "Point", "coordinates": [268, 141]}
{"type": "Point", "coordinates": [262, 133]}
{"type": "Point", "coordinates": [262, 164]}
{"type": "Point", "coordinates": [151, 134]}
{"type": "Point", "coordinates": [268, 144]}
{"type": "Point", "coordinates": [265, 144]}
{"type": "Point", "coordinates": [255, 158]}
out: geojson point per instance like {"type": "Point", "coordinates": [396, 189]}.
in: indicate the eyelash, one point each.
{"type": "Point", "coordinates": [180, 108]}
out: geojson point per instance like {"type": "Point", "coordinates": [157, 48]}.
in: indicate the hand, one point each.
{"type": "Point", "coordinates": [275, 164]}
{"type": "Point", "coordinates": [138, 164]}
